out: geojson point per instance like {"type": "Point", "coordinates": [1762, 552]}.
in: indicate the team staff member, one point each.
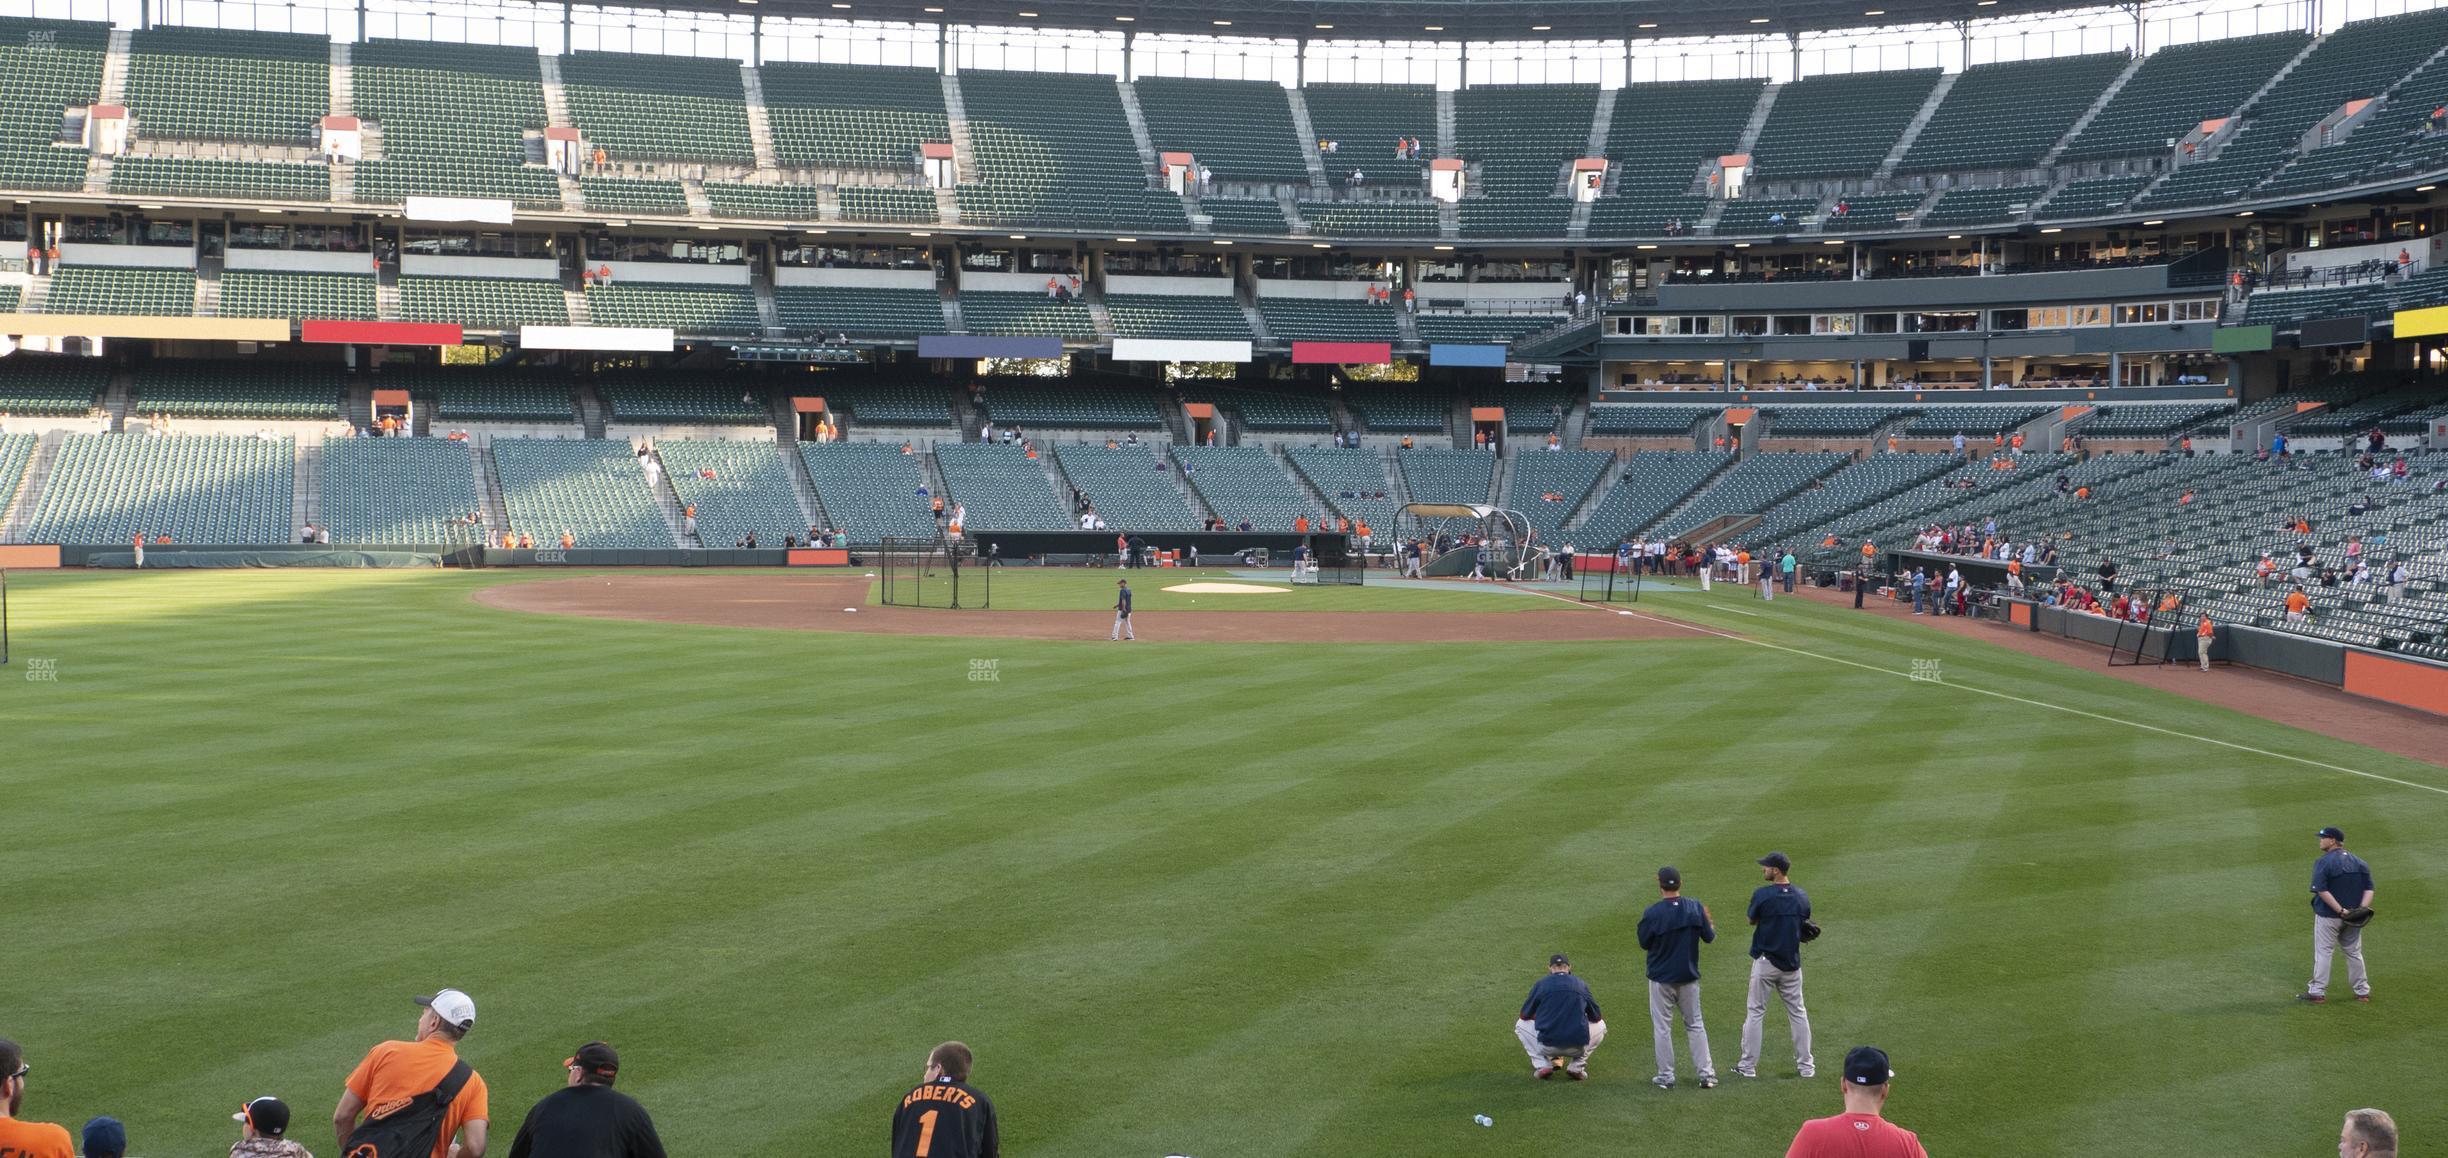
{"type": "Point", "coordinates": [2341, 883]}
{"type": "Point", "coordinates": [2203, 636]}
{"type": "Point", "coordinates": [25, 1139]}
{"type": "Point", "coordinates": [588, 1118]}
{"type": "Point", "coordinates": [946, 1117]}
{"type": "Point", "coordinates": [1777, 912]}
{"type": "Point", "coordinates": [395, 1072]}
{"type": "Point", "coordinates": [1672, 931]}
{"type": "Point", "coordinates": [1560, 1020]}
{"type": "Point", "coordinates": [1861, 1131]}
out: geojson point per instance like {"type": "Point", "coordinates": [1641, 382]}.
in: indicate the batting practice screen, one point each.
{"type": "Point", "coordinates": [933, 572]}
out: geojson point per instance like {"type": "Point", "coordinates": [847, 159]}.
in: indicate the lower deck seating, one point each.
{"type": "Point", "coordinates": [105, 488]}
{"type": "Point", "coordinates": [738, 487]}
{"type": "Point", "coordinates": [50, 386]}
{"type": "Point", "coordinates": [238, 389]}
{"type": "Point", "coordinates": [16, 450]}
{"type": "Point", "coordinates": [684, 401]}
{"type": "Point", "coordinates": [1399, 408]}
{"type": "Point", "coordinates": [399, 491]}
{"type": "Point", "coordinates": [1446, 475]}
{"type": "Point", "coordinates": [1547, 485]}
{"type": "Point", "coordinates": [1131, 487]}
{"type": "Point", "coordinates": [884, 402]}
{"type": "Point", "coordinates": [869, 489]}
{"type": "Point", "coordinates": [489, 395]}
{"type": "Point", "coordinates": [1003, 488]}
{"type": "Point", "coordinates": [1244, 484]}
{"type": "Point", "coordinates": [1650, 484]}
{"type": "Point", "coordinates": [590, 487]}
{"type": "Point", "coordinates": [1354, 483]}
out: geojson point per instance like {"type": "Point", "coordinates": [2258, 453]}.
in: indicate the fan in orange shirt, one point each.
{"type": "Point", "coordinates": [395, 1072]}
{"type": "Point", "coordinates": [25, 1139]}
{"type": "Point", "coordinates": [2202, 638]}
{"type": "Point", "coordinates": [2298, 605]}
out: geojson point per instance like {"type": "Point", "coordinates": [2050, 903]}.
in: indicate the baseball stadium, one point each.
{"type": "Point", "coordinates": [637, 519]}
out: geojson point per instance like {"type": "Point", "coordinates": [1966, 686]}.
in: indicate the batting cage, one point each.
{"type": "Point", "coordinates": [1334, 561]}
{"type": "Point", "coordinates": [1608, 585]}
{"type": "Point", "coordinates": [1490, 542]}
{"type": "Point", "coordinates": [936, 571]}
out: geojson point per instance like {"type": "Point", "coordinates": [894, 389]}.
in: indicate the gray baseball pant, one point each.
{"type": "Point", "coordinates": [1767, 979]}
{"type": "Point", "coordinates": [1665, 1001]}
{"type": "Point", "coordinates": [1576, 1057]}
{"type": "Point", "coordinates": [1122, 626]}
{"type": "Point", "coordinates": [2329, 935]}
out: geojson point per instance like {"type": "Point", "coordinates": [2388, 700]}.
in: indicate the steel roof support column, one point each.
{"type": "Point", "coordinates": [756, 39]}
{"type": "Point", "coordinates": [566, 46]}
{"type": "Point", "coordinates": [1130, 38]}
{"type": "Point", "coordinates": [2141, 32]}
{"type": "Point", "coordinates": [1300, 64]}
{"type": "Point", "coordinates": [1464, 80]}
{"type": "Point", "coordinates": [1793, 42]}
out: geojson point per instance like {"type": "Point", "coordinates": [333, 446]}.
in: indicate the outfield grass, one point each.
{"type": "Point", "coordinates": [1225, 901]}
{"type": "Point", "coordinates": [1074, 588]}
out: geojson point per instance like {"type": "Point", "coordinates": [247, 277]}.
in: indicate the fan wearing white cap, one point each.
{"type": "Point", "coordinates": [263, 1128]}
{"type": "Point", "coordinates": [416, 1096]}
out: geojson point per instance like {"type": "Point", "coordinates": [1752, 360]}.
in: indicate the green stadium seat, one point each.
{"type": "Point", "coordinates": [250, 388]}
{"type": "Point", "coordinates": [1838, 124]}
{"type": "Point", "coordinates": [2008, 115]}
{"type": "Point", "coordinates": [1659, 140]}
{"type": "Point", "coordinates": [750, 490]}
{"type": "Point", "coordinates": [1245, 483]}
{"type": "Point", "coordinates": [1177, 317]}
{"type": "Point", "coordinates": [590, 487]}
{"type": "Point", "coordinates": [1445, 475]}
{"type": "Point", "coordinates": [106, 488]}
{"type": "Point", "coordinates": [224, 84]}
{"type": "Point", "coordinates": [1365, 119]}
{"type": "Point", "coordinates": [638, 106]}
{"type": "Point", "coordinates": [870, 490]}
{"type": "Point", "coordinates": [1003, 488]}
{"type": "Point", "coordinates": [454, 119]}
{"type": "Point", "coordinates": [852, 116]}
{"type": "Point", "coordinates": [399, 491]}
{"type": "Point", "coordinates": [49, 67]}
{"type": "Point", "coordinates": [1126, 486]}
{"type": "Point", "coordinates": [257, 293]}
{"type": "Point", "coordinates": [1326, 320]}
{"type": "Point", "coordinates": [482, 303]}
{"type": "Point", "coordinates": [860, 311]}
{"type": "Point", "coordinates": [1240, 129]}
{"type": "Point", "coordinates": [97, 289]}
{"type": "Point", "coordinates": [686, 308]}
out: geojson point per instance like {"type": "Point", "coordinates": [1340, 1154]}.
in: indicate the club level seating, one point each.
{"type": "Point", "coordinates": [1364, 120]}
{"type": "Point", "coordinates": [1077, 403]}
{"type": "Point", "coordinates": [1326, 320]}
{"type": "Point", "coordinates": [52, 386]}
{"type": "Point", "coordinates": [705, 402]}
{"type": "Point", "coordinates": [904, 206]}
{"type": "Point", "coordinates": [1754, 486]}
{"type": "Point", "coordinates": [1399, 407]}
{"type": "Point", "coordinates": [453, 119]}
{"type": "Point", "coordinates": [1829, 421]}
{"type": "Point", "coordinates": [1659, 138]}
{"type": "Point", "coordinates": [2292, 307]}
{"type": "Point", "coordinates": [2179, 87]}
{"type": "Point", "coordinates": [1026, 314]}
{"type": "Point", "coordinates": [399, 490]}
{"type": "Point", "coordinates": [1240, 129]}
{"type": "Point", "coordinates": [590, 487]}
{"type": "Point", "coordinates": [49, 66]}
{"type": "Point", "coordinates": [1515, 217]}
{"type": "Point", "coordinates": [661, 108]}
{"type": "Point", "coordinates": [1004, 489]}
{"type": "Point", "coordinates": [8, 299]}
{"type": "Point", "coordinates": [2403, 120]}
{"type": "Point", "coordinates": [1407, 218]}
{"type": "Point", "coordinates": [247, 389]}
{"type": "Point", "coordinates": [471, 394]}
{"type": "Point", "coordinates": [860, 311]}
{"type": "Point", "coordinates": [1244, 217]}
{"type": "Point", "coordinates": [482, 303]}
{"type": "Point", "coordinates": [106, 488]}
{"type": "Point", "coordinates": [1057, 150]}
{"type": "Point", "coordinates": [257, 293]}
{"type": "Point", "coordinates": [1443, 475]}
{"type": "Point", "coordinates": [1645, 419]}
{"type": "Point", "coordinates": [2008, 115]}
{"type": "Point", "coordinates": [16, 450]}
{"type": "Point", "coordinates": [1871, 212]}
{"type": "Point", "coordinates": [1650, 484]}
{"type": "Point", "coordinates": [750, 492]}
{"type": "Point", "coordinates": [685, 308]}
{"type": "Point", "coordinates": [2428, 288]}
{"type": "Point", "coordinates": [2091, 197]}
{"type": "Point", "coordinates": [190, 177]}
{"type": "Point", "coordinates": [1178, 317]}
{"type": "Point", "coordinates": [1839, 124]}
{"type": "Point", "coordinates": [788, 202]}
{"type": "Point", "coordinates": [1353, 482]}
{"type": "Point", "coordinates": [1266, 408]}
{"type": "Point", "coordinates": [2151, 419]}
{"type": "Point", "coordinates": [852, 116]}
{"type": "Point", "coordinates": [1521, 137]}
{"type": "Point", "coordinates": [1855, 487]}
{"type": "Point", "coordinates": [870, 489]}
{"type": "Point", "coordinates": [615, 195]}
{"type": "Point", "coordinates": [1130, 487]}
{"type": "Point", "coordinates": [1244, 483]}
{"type": "Point", "coordinates": [1482, 328]}
{"type": "Point", "coordinates": [222, 84]}
{"type": "Point", "coordinates": [1766, 215]}
{"type": "Point", "coordinates": [1983, 206]}
{"type": "Point", "coordinates": [1974, 420]}
{"type": "Point", "coordinates": [2357, 61]}
{"type": "Point", "coordinates": [883, 402]}
{"type": "Point", "coordinates": [94, 289]}
{"type": "Point", "coordinates": [2359, 416]}
{"type": "Point", "coordinates": [1569, 475]}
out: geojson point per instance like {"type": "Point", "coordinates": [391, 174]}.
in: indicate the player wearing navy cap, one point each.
{"type": "Point", "coordinates": [1861, 1131]}
{"type": "Point", "coordinates": [1778, 912]}
{"type": "Point", "coordinates": [1560, 1021]}
{"type": "Point", "coordinates": [1672, 931]}
{"type": "Point", "coordinates": [2341, 905]}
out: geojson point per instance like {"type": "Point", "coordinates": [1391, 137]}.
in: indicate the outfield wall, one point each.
{"type": "Point", "coordinates": [2404, 680]}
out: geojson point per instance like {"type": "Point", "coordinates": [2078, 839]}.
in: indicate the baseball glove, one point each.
{"type": "Point", "coordinates": [2358, 916]}
{"type": "Point", "coordinates": [1810, 930]}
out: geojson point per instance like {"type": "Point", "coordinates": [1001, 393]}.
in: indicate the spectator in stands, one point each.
{"type": "Point", "coordinates": [2298, 605]}
{"type": "Point", "coordinates": [2399, 575]}
{"type": "Point", "coordinates": [568, 540]}
{"type": "Point", "coordinates": [395, 1072]}
{"type": "Point", "coordinates": [1356, 179]}
{"type": "Point", "coordinates": [105, 1138]}
{"type": "Point", "coordinates": [1328, 147]}
{"type": "Point", "coordinates": [587, 1118]}
{"type": "Point", "coordinates": [600, 159]}
{"type": "Point", "coordinates": [263, 1131]}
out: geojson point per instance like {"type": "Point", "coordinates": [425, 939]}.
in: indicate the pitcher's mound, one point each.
{"type": "Point", "coordinates": [1227, 589]}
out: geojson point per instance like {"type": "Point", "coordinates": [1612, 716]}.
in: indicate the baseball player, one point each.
{"type": "Point", "coordinates": [1560, 1022]}
{"type": "Point", "coordinates": [945, 1116]}
{"type": "Point", "coordinates": [1780, 921]}
{"type": "Point", "coordinates": [2341, 906]}
{"type": "Point", "coordinates": [1672, 931]}
{"type": "Point", "coordinates": [1122, 602]}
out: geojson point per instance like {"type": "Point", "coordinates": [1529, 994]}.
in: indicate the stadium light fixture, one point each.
{"type": "Point", "coordinates": [1030, 15]}
{"type": "Point", "coordinates": [1542, 28]}
{"type": "Point", "coordinates": [1221, 23]}
{"type": "Point", "coordinates": [1954, 237]}
{"type": "Point", "coordinates": [2246, 213]}
{"type": "Point", "coordinates": [1647, 247]}
{"type": "Point", "coordinates": [1874, 12]}
{"type": "Point", "coordinates": [1221, 241]}
{"type": "Point", "coordinates": [1435, 27]}
{"type": "Point", "coordinates": [148, 207]}
{"type": "Point", "coordinates": [1319, 245]}
{"type": "Point", "coordinates": [1742, 245]}
{"type": "Point", "coordinates": [919, 233]}
{"type": "Point", "coordinates": [1019, 237]}
{"type": "Point", "coordinates": [1126, 239]}
{"type": "Point", "coordinates": [2054, 229]}
{"type": "Point", "coordinates": [1444, 249]}
{"type": "Point", "coordinates": [1759, 20]}
{"type": "Point", "coordinates": [1322, 26]}
{"type": "Point", "coordinates": [1127, 19]}
{"type": "Point", "coordinates": [2154, 223]}
{"type": "Point", "coordinates": [2417, 188]}
{"type": "Point", "coordinates": [935, 10]}
{"type": "Point", "coordinates": [1837, 242]}
{"type": "Point", "coordinates": [1649, 25]}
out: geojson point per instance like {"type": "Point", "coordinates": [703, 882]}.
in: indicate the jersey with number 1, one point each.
{"type": "Point", "coordinates": [945, 1119]}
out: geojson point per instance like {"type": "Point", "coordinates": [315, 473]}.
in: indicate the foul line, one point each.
{"type": "Point", "coordinates": [2106, 719]}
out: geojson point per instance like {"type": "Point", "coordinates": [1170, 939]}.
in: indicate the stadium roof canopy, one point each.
{"type": "Point", "coordinates": [1445, 20]}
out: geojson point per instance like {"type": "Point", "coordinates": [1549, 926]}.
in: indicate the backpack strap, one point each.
{"type": "Point", "coordinates": [452, 1082]}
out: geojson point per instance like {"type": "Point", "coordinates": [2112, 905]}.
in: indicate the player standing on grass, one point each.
{"type": "Point", "coordinates": [2341, 905]}
{"type": "Point", "coordinates": [1122, 604]}
{"type": "Point", "coordinates": [1671, 931]}
{"type": "Point", "coordinates": [1560, 1021]}
{"type": "Point", "coordinates": [945, 1116]}
{"type": "Point", "coordinates": [1779, 912]}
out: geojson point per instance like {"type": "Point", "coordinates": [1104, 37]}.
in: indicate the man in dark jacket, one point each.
{"type": "Point", "coordinates": [1560, 1021]}
{"type": "Point", "coordinates": [1672, 931]}
{"type": "Point", "coordinates": [588, 1118]}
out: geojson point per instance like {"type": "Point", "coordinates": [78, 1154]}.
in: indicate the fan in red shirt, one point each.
{"type": "Point", "coordinates": [1859, 1132]}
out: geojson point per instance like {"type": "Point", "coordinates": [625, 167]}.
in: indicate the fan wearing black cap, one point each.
{"type": "Point", "coordinates": [945, 1116]}
{"type": "Point", "coordinates": [1779, 909]}
{"type": "Point", "coordinates": [1672, 931]}
{"type": "Point", "coordinates": [2341, 905]}
{"type": "Point", "coordinates": [1560, 1021]}
{"type": "Point", "coordinates": [588, 1118]}
{"type": "Point", "coordinates": [1861, 1131]}
{"type": "Point", "coordinates": [263, 1131]}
